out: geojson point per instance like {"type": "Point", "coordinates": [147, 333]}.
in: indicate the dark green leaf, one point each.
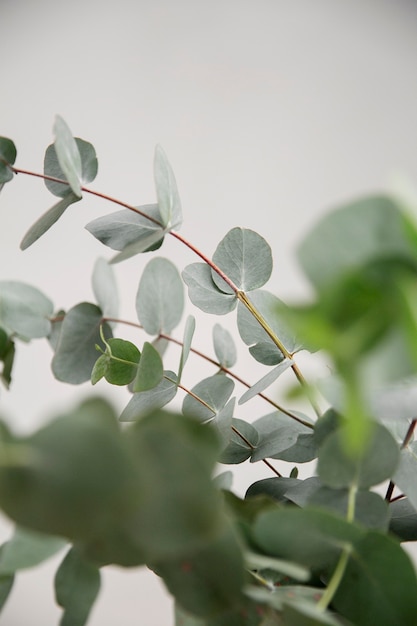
{"type": "Point", "coordinates": [276, 488]}
{"type": "Point", "coordinates": [150, 369]}
{"type": "Point", "coordinates": [238, 448]}
{"type": "Point", "coordinates": [7, 354]}
{"type": "Point", "coordinates": [160, 297]}
{"type": "Point", "coordinates": [405, 475]}
{"type": "Point", "coordinates": [377, 462]}
{"type": "Point", "coordinates": [77, 584]}
{"type": "Point", "coordinates": [119, 364]}
{"type": "Point", "coordinates": [198, 581]}
{"type": "Point", "coordinates": [76, 352]}
{"type": "Point", "coordinates": [24, 310]}
{"type": "Point", "coordinates": [299, 613]}
{"type": "Point", "coordinates": [214, 392]}
{"type": "Point", "coordinates": [245, 257]}
{"type": "Point", "coordinates": [27, 549]}
{"type": "Point", "coordinates": [47, 220]}
{"type": "Point", "coordinates": [6, 584]}
{"type": "Point", "coordinates": [224, 346]}
{"type": "Point", "coordinates": [7, 157]}
{"type": "Point", "coordinates": [166, 190]}
{"type": "Point", "coordinates": [146, 401]}
{"type": "Point", "coordinates": [203, 292]}
{"type": "Point", "coordinates": [379, 585]}
{"type": "Point", "coordinates": [68, 155]}
{"type": "Point", "coordinates": [403, 521]}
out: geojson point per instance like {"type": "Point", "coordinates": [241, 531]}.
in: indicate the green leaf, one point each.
{"type": "Point", "coordinates": [405, 475]}
{"type": "Point", "coordinates": [255, 336]}
{"type": "Point", "coordinates": [7, 157]}
{"type": "Point", "coordinates": [265, 381]}
{"type": "Point", "coordinates": [24, 310]}
{"type": "Point", "coordinates": [203, 292]}
{"type": "Point", "coordinates": [214, 392]}
{"type": "Point", "coordinates": [256, 561]}
{"type": "Point", "coordinates": [367, 230]}
{"type": "Point", "coordinates": [68, 155]}
{"type": "Point", "coordinates": [119, 364]}
{"type": "Point", "coordinates": [147, 401]}
{"type": "Point", "coordinates": [6, 585]}
{"type": "Point", "coordinates": [224, 346]}
{"type": "Point", "coordinates": [126, 228]}
{"type": "Point", "coordinates": [52, 168]}
{"type": "Point", "coordinates": [166, 190]}
{"type": "Point", "coordinates": [105, 288]}
{"type": "Point", "coordinates": [186, 344]}
{"type": "Point", "coordinates": [277, 432]}
{"type": "Point", "coordinates": [314, 538]}
{"type": "Point", "coordinates": [379, 585]}
{"type": "Point", "coordinates": [199, 583]}
{"type": "Point", "coordinates": [276, 488]}
{"type": "Point", "coordinates": [403, 522]}
{"type": "Point", "coordinates": [48, 219]}
{"type": "Point", "coordinates": [377, 462]}
{"type": "Point", "coordinates": [308, 614]}
{"type": "Point", "coordinates": [76, 352]}
{"type": "Point", "coordinates": [245, 257]}
{"type": "Point", "coordinates": [238, 449]}
{"type": "Point", "coordinates": [150, 369]}
{"type": "Point", "coordinates": [27, 549]}
{"type": "Point", "coordinates": [7, 354]}
{"type": "Point", "coordinates": [77, 584]}
{"type": "Point", "coordinates": [160, 297]}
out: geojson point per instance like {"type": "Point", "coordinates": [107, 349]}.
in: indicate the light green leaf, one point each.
{"type": "Point", "coordinates": [245, 257]}
{"type": "Point", "coordinates": [146, 244]}
{"type": "Point", "coordinates": [24, 310]}
{"type": "Point", "coordinates": [27, 549]}
{"type": "Point", "coordinates": [77, 583]}
{"type": "Point", "coordinates": [255, 336]}
{"type": "Point", "coordinates": [166, 190]}
{"type": "Point", "coordinates": [203, 292]}
{"type": "Point", "coordinates": [224, 346]}
{"type": "Point", "coordinates": [160, 297]}
{"type": "Point", "coordinates": [76, 352]}
{"type": "Point", "coordinates": [277, 433]}
{"type": "Point", "coordinates": [105, 288]}
{"type": "Point", "coordinates": [265, 381]}
{"type": "Point", "coordinates": [52, 168]}
{"type": "Point", "coordinates": [186, 344]}
{"type": "Point", "coordinates": [147, 401]}
{"type": "Point", "coordinates": [377, 461]}
{"type": "Point", "coordinates": [223, 423]}
{"type": "Point", "coordinates": [48, 219]}
{"type": "Point", "coordinates": [150, 369]}
{"type": "Point", "coordinates": [214, 392]}
{"type": "Point", "coordinates": [367, 230]}
{"type": "Point", "coordinates": [68, 155]}
{"type": "Point", "coordinates": [405, 475]}
{"type": "Point", "coordinates": [7, 157]}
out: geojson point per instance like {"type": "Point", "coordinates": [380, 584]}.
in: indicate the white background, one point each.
{"type": "Point", "coordinates": [271, 112]}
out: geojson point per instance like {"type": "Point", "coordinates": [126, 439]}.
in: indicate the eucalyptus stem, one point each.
{"type": "Point", "coordinates": [241, 295]}
{"type": "Point", "coordinates": [336, 579]}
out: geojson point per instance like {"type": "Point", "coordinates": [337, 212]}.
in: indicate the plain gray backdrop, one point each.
{"type": "Point", "coordinates": [271, 112]}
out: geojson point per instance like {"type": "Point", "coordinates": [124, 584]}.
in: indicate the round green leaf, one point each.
{"type": "Point", "coordinates": [203, 292]}
{"type": "Point", "coordinates": [7, 156]}
{"type": "Point", "coordinates": [150, 370]}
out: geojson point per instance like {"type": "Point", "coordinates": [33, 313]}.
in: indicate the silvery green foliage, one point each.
{"type": "Point", "coordinates": [138, 488]}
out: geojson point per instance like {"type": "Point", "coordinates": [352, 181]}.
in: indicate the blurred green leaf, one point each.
{"type": "Point", "coordinates": [105, 288]}
{"type": "Point", "coordinates": [245, 257]}
{"type": "Point", "coordinates": [166, 190]}
{"type": "Point", "coordinates": [275, 488]}
{"type": "Point", "coordinates": [7, 157]}
{"type": "Point", "coordinates": [24, 310]}
{"type": "Point", "coordinates": [377, 462]}
{"type": "Point", "coordinates": [68, 155]}
{"type": "Point", "coordinates": [214, 392]}
{"type": "Point", "coordinates": [144, 402]}
{"type": "Point", "coordinates": [7, 354]}
{"type": "Point", "coordinates": [149, 371]}
{"type": "Point", "coordinates": [403, 522]}
{"type": "Point", "coordinates": [298, 613]}
{"type": "Point", "coordinates": [27, 549]}
{"type": "Point", "coordinates": [6, 585]}
{"type": "Point", "coordinates": [160, 297]}
{"type": "Point", "coordinates": [77, 584]}
{"type": "Point", "coordinates": [405, 475]}
{"type": "Point", "coordinates": [224, 346]}
{"type": "Point", "coordinates": [203, 292]}
{"type": "Point", "coordinates": [76, 352]}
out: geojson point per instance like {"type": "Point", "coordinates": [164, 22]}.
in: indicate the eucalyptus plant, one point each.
{"type": "Point", "coordinates": [143, 488]}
